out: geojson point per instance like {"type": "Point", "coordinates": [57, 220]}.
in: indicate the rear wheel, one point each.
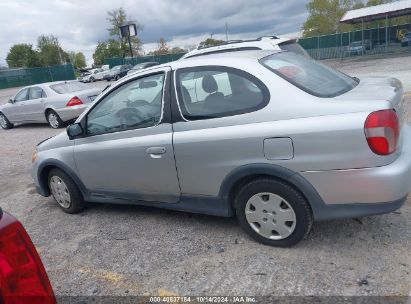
{"type": "Point", "coordinates": [117, 77]}
{"type": "Point", "coordinates": [54, 120]}
{"type": "Point", "coordinates": [92, 79]}
{"type": "Point", "coordinates": [65, 191]}
{"type": "Point", "coordinates": [5, 123]}
{"type": "Point", "coordinates": [273, 212]}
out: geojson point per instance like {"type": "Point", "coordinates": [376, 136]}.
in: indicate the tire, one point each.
{"type": "Point", "coordinates": [92, 79]}
{"type": "Point", "coordinates": [65, 192]}
{"type": "Point", "coordinates": [54, 120]}
{"type": "Point", "coordinates": [282, 215]}
{"type": "Point", "coordinates": [117, 77]}
{"type": "Point", "coordinates": [5, 123]}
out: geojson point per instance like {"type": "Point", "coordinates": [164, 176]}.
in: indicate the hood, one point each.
{"type": "Point", "coordinates": [58, 141]}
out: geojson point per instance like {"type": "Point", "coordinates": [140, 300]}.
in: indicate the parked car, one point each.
{"type": "Point", "coordinates": [359, 48]}
{"type": "Point", "coordinates": [262, 43]}
{"type": "Point", "coordinates": [54, 103]}
{"type": "Point", "coordinates": [94, 75]}
{"type": "Point", "coordinates": [406, 40]}
{"type": "Point", "coordinates": [82, 76]}
{"type": "Point", "coordinates": [141, 66]}
{"type": "Point", "coordinates": [273, 137]}
{"type": "Point", "coordinates": [117, 72]}
{"type": "Point", "coordinates": [23, 278]}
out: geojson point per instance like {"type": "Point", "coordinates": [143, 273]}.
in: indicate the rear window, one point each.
{"type": "Point", "coordinates": [307, 74]}
{"type": "Point", "coordinates": [68, 87]}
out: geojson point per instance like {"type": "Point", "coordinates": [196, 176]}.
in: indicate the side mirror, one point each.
{"type": "Point", "coordinates": [11, 100]}
{"type": "Point", "coordinates": [74, 131]}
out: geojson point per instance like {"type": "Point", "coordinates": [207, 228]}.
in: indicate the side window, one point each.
{"type": "Point", "coordinates": [134, 105]}
{"type": "Point", "coordinates": [36, 93]}
{"type": "Point", "coordinates": [212, 92]}
{"type": "Point", "coordinates": [21, 96]}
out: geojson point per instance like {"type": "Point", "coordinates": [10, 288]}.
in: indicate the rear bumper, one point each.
{"type": "Point", "coordinates": [69, 113]}
{"type": "Point", "coordinates": [373, 186]}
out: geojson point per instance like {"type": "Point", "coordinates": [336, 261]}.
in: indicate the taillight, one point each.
{"type": "Point", "coordinates": [382, 131]}
{"type": "Point", "coordinates": [75, 101]}
{"type": "Point", "coordinates": [22, 275]}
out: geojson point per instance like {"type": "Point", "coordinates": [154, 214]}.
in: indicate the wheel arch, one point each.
{"type": "Point", "coordinates": [44, 170]}
{"type": "Point", "coordinates": [247, 173]}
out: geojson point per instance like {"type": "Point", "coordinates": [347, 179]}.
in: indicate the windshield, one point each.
{"type": "Point", "coordinates": [68, 87]}
{"type": "Point", "coordinates": [117, 67]}
{"type": "Point", "coordinates": [307, 74]}
{"type": "Point", "coordinates": [359, 43]}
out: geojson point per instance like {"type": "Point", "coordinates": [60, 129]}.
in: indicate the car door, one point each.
{"type": "Point", "coordinates": [33, 109]}
{"type": "Point", "coordinates": [210, 136]}
{"type": "Point", "coordinates": [127, 152]}
{"type": "Point", "coordinates": [15, 111]}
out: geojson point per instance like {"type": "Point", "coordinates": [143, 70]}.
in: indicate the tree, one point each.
{"type": "Point", "coordinates": [80, 60]}
{"type": "Point", "coordinates": [106, 50]}
{"type": "Point", "coordinates": [210, 42]}
{"type": "Point", "coordinates": [118, 18]}
{"type": "Point", "coordinates": [50, 51]}
{"type": "Point", "coordinates": [162, 48]}
{"type": "Point", "coordinates": [178, 50]}
{"type": "Point", "coordinates": [324, 17]}
{"type": "Point", "coordinates": [22, 55]}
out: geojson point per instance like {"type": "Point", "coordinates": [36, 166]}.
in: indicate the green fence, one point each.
{"type": "Point", "coordinates": [22, 77]}
{"type": "Point", "coordinates": [136, 60]}
{"type": "Point", "coordinates": [337, 45]}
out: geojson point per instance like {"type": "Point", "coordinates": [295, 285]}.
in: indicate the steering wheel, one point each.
{"type": "Point", "coordinates": [129, 116]}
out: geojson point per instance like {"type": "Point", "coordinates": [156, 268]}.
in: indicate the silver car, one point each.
{"type": "Point", "coordinates": [272, 137]}
{"type": "Point", "coordinates": [54, 103]}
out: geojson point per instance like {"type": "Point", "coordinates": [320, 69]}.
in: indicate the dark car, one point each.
{"type": "Point", "coordinates": [117, 72]}
{"type": "Point", "coordinates": [406, 40]}
{"type": "Point", "coordinates": [142, 66]}
{"type": "Point", "coordinates": [23, 278]}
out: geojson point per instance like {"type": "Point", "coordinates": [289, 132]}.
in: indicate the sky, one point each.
{"type": "Point", "coordinates": [80, 24]}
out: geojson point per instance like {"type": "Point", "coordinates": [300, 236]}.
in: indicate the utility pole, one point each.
{"type": "Point", "coordinates": [226, 31]}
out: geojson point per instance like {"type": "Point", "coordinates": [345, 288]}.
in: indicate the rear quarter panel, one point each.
{"type": "Point", "coordinates": [326, 135]}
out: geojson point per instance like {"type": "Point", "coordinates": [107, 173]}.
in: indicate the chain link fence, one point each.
{"type": "Point", "coordinates": [28, 76]}
{"type": "Point", "coordinates": [370, 41]}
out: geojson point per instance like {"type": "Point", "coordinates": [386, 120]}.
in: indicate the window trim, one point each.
{"type": "Point", "coordinates": [42, 93]}
{"type": "Point", "coordinates": [165, 98]}
{"type": "Point", "coordinates": [259, 83]}
{"type": "Point", "coordinates": [27, 95]}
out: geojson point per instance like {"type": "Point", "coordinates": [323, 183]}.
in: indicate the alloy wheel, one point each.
{"type": "Point", "coordinates": [53, 120]}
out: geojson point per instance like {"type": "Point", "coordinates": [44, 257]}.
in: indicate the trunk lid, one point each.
{"type": "Point", "coordinates": [88, 96]}
{"type": "Point", "coordinates": [379, 89]}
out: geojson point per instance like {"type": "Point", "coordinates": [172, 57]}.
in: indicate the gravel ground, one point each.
{"type": "Point", "coordinates": [132, 250]}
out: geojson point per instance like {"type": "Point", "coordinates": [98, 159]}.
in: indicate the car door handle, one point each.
{"type": "Point", "coordinates": [156, 152]}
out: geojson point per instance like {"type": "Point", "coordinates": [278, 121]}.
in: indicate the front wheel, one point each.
{"type": "Point", "coordinates": [5, 123]}
{"type": "Point", "coordinates": [54, 120]}
{"type": "Point", "coordinates": [65, 192]}
{"type": "Point", "coordinates": [273, 212]}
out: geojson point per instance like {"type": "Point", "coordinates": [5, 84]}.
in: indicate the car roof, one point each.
{"type": "Point", "coordinates": [49, 83]}
{"type": "Point", "coordinates": [268, 42]}
{"type": "Point", "coordinates": [209, 59]}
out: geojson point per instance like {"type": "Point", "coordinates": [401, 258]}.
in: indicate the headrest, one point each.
{"type": "Point", "coordinates": [209, 84]}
